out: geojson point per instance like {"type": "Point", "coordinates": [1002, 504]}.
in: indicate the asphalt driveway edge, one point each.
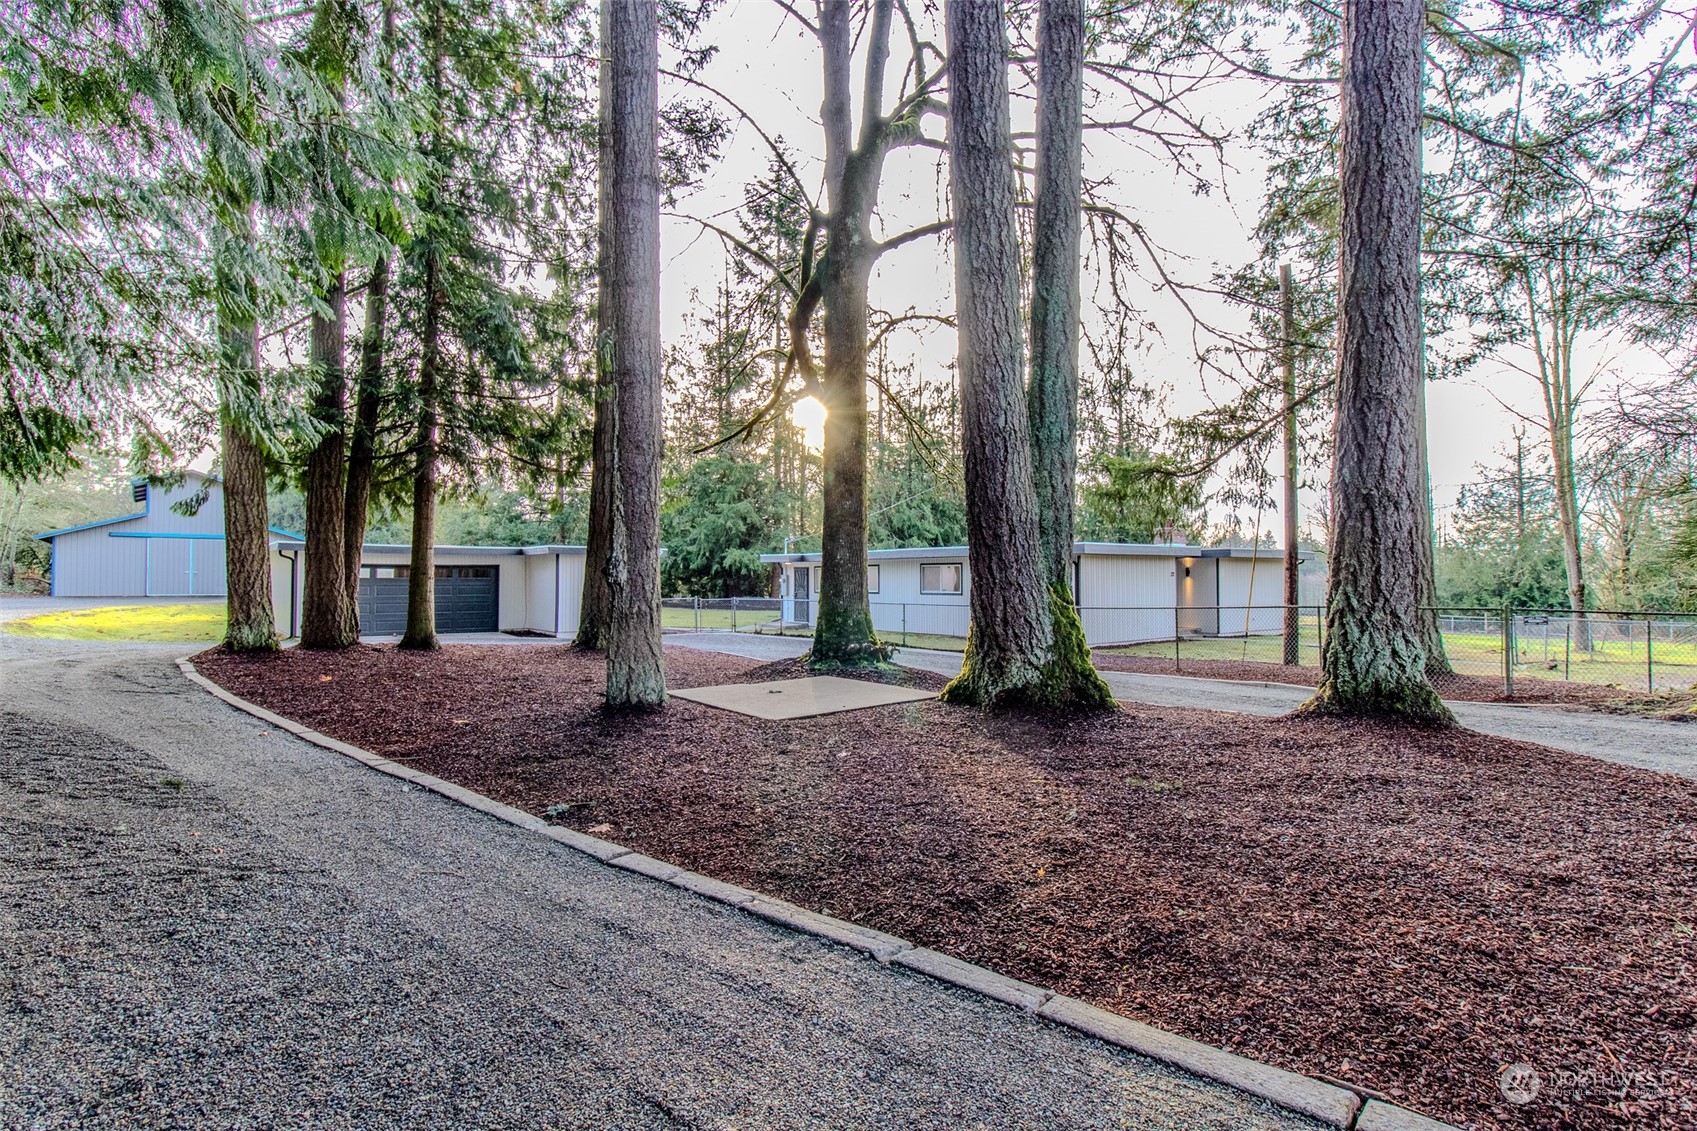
{"type": "Point", "coordinates": [1333, 1105]}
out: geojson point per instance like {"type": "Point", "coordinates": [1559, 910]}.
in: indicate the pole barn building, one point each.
{"type": "Point", "coordinates": [159, 552]}
{"type": "Point", "coordinates": [154, 552]}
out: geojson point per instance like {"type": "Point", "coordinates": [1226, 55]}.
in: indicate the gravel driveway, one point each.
{"type": "Point", "coordinates": [206, 923]}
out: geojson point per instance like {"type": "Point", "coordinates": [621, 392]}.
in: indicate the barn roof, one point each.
{"type": "Point", "coordinates": [49, 535]}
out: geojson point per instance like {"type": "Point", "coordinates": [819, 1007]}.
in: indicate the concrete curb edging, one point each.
{"type": "Point", "coordinates": [1330, 1104]}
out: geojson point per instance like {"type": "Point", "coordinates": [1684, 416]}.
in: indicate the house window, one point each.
{"type": "Point", "coordinates": [872, 579]}
{"type": "Point", "coordinates": [940, 578]}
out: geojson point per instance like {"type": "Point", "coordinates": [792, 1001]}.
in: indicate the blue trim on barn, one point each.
{"type": "Point", "coordinates": [164, 534]}
{"type": "Point", "coordinates": [52, 534]}
{"type": "Point", "coordinates": [185, 534]}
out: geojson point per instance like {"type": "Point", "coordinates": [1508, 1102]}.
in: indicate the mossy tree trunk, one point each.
{"type": "Point", "coordinates": [1375, 656]}
{"type": "Point", "coordinates": [251, 624]}
{"type": "Point", "coordinates": [631, 328]}
{"type": "Point", "coordinates": [1052, 395]}
{"type": "Point", "coordinates": [1008, 645]}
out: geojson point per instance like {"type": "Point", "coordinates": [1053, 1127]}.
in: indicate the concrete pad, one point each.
{"type": "Point", "coordinates": [801, 698]}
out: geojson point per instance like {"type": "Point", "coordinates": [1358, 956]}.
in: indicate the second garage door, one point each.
{"type": "Point", "coordinates": [467, 599]}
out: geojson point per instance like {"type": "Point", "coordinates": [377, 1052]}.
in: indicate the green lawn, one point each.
{"type": "Point", "coordinates": [186, 624]}
{"type": "Point", "coordinates": [715, 619]}
{"type": "Point", "coordinates": [1612, 660]}
{"type": "Point", "coordinates": [1256, 649]}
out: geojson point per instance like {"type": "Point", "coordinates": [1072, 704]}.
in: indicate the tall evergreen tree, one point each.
{"type": "Point", "coordinates": [1012, 630]}
{"type": "Point", "coordinates": [1053, 391]}
{"type": "Point", "coordinates": [329, 614]}
{"type": "Point", "coordinates": [1374, 662]}
{"type": "Point", "coordinates": [631, 338]}
{"type": "Point", "coordinates": [595, 605]}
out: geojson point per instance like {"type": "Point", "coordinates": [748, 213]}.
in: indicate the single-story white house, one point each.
{"type": "Point", "coordinates": [153, 552]}
{"type": "Point", "coordinates": [1127, 593]}
{"type": "Point", "coordinates": [534, 589]}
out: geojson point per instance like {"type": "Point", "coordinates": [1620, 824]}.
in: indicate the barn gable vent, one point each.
{"type": "Point", "coordinates": [138, 491]}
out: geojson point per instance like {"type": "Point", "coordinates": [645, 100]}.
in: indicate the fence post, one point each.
{"type": "Point", "coordinates": [904, 624]}
{"type": "Point", "coordinates": [1649, 653]}
{"type": "Point", "coordinates": [1176, 666]}
{"type": "Point", "coordinates": [1508, 651]}
{"type": "Point", "coordinates": [697, 603]}
{"type": "Point", "coordinates": [733, 614]}
{"type": "Point", "coordinates": [1567, 652]}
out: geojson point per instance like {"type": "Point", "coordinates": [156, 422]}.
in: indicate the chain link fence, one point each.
{"type": "Point", "coordinates": [1500, 650]}
{"type": "Point", "coordinates": [1640, 652]}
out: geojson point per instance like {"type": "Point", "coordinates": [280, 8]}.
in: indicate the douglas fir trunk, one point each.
{"type": "Point", "coordinates": [329, 618]}
{"type": "Point", "coordinates": [1375, 658]}
{"type": "Point", "coordinates": [1053, 392]}
{"type": "Point", "coordinates": [421, 571]}
{"type": "Point", "coordinates": [362, 448]}
{"type": "Point", "coordinates": [593, 608]}
{"type": "Point", "coordinates": [634, 674]}
{"type": "Point", "coordinates": [1012, 628]}
{"type": "Point", "coordinates": [247, 546]}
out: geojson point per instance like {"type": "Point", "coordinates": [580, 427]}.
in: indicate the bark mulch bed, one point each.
{"type": "Point", "coordinates": [1466, 688]}
{"type": "Point", "coordinates": [1405, 909]}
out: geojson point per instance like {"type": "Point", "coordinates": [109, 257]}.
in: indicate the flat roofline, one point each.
{"type": "Point", "coordinates": [1105, 549]}
{"type": "Point", "coordinates": [450, 551]}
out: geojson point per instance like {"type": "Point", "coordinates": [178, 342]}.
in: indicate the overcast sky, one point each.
{"type": "Point", "coordinates": [771, 69]}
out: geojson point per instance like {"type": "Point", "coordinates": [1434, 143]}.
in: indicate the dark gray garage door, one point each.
{"type": "Point", "coordinates": [467, 599]}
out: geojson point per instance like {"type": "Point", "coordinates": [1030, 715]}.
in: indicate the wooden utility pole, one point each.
{"type": "Point", "coordinates": [1520, 485]}
{"type": "Point", "coordinates": [1293, 560]}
